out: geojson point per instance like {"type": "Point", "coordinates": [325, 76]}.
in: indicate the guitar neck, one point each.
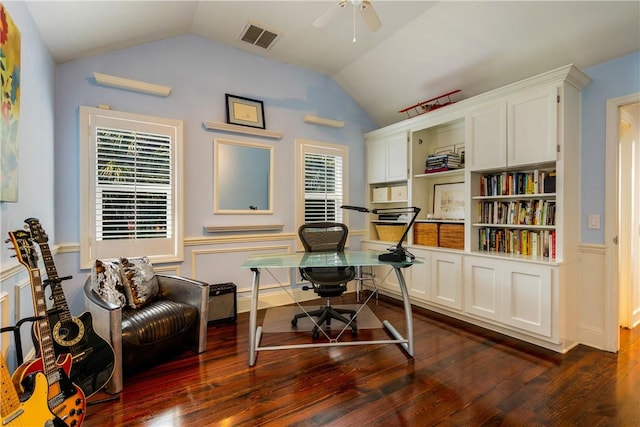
{"type": "Point", "coordinates": [9, 401]}
{"type": "Point", "coordinates": [44, 329]}
{"type": "Point", "coordinates": [56, 287]}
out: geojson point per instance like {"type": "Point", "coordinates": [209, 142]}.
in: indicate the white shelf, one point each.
{"type": "Point", "coordinates": [452, 172]}
{"type": "Point", "coordinates": [134, 85]}
{"type": "Point", "coordinates": [233, 228]}
{"type": "Point", "coordinates": [517, 226]}
{"type": "Point", "coordinates": [517, 196]}
{"type": "Point", "coordinates": [317, 120]}
{"type": "Point", "coordinates": [226, 127]}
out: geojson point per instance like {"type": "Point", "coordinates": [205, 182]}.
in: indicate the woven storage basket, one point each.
{"type": "Point", "coordinates": [425, 233]}
{"type": "Point", "coordinates": [452, 236]}
{"type": "Point", "coordinates": [390, 232]}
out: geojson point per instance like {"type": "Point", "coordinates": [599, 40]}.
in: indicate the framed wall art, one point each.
{"type": "Point", "coordinates": [448, 201]}
{"type": "Point", "coordinates": [244, 111]}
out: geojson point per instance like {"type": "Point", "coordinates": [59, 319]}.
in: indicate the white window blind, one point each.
{"type": "Point", "coordinates": [323, 185]}
{"type": "Point", "coordinates": [133, 185]}
{"type": "Point", "coordinates": [130, 179]}
{"type": "Point", "coordinates": [321, 181]}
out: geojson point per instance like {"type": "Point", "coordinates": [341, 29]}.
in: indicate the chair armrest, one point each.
{"type": "Point", "coordinates": [192, 292]}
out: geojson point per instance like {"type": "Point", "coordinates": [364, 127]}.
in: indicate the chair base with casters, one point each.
{"type": "Point", "coordinates": [325, 315]}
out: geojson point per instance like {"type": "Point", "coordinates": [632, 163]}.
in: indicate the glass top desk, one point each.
{"type": "Point", "coordinates": [324, 259]}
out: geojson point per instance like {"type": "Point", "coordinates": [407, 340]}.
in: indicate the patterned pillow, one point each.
{"type": "Point", "coordinates": [107, 282]}
{"type": "Point", "coordinates": [140, 283]}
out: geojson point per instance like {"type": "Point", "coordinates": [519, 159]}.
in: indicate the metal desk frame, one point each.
{"type": "Point", "coordinates": [322, 259]}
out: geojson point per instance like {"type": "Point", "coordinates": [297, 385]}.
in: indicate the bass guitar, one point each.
{"type": "Point", "coordinates": [29, 410]}
{"type": "Point", "coordinates": [93, 357]}
{"type": "Point", "coordinates": [64, 399]}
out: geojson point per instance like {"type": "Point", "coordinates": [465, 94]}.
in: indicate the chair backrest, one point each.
{"type": "Point", "coordinates": [326, 237]}
{"type": "Point", "coordinates": [323, 236]}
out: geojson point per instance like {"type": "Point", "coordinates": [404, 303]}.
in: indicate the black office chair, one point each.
{"type": "Point", "coordinates": [327, 282]}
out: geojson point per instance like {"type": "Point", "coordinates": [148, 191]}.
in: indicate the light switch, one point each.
{"type": "Point", "coordinates": [594, 222]}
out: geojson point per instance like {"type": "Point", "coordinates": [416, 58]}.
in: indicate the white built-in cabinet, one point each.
{"type": "Point", "coordinates": [387, 159]}
{"type": "Point", "coordinates": [530, 127]}
{"type": "Point", "coordinates": [518, 130]}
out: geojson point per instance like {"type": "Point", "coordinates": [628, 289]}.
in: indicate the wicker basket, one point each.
{"type": "Point", "coordinates": [452, 236]}
{"type": "Point", "coordinates": [425, 233]}
{"type": "Point", "coordinates": [390, 232]}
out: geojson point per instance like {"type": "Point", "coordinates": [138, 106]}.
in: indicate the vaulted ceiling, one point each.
{"type": "Point", "coordinates": [423, 49]}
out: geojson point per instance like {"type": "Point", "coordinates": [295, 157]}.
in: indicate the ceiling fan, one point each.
{"type": "Point", "coordinates": [369, 15]}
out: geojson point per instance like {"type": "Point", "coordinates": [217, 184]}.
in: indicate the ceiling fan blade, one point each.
{"type": "Point", "coordinates": [370, 16]}
{"type": "Point", "coordinates": [329, 14]}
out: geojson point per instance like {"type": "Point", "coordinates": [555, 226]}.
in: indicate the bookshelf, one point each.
{"type": "Point", "coordinates": [517, 270]}
{"type": "Point", "coordinates": [515, 213]}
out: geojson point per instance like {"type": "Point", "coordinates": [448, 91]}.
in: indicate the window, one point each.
{"type": "Point", "coordinates": [321, 181]}
{"type": "Point", "coordinates": [130, 173]}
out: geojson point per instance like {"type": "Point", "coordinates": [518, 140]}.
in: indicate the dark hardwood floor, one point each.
{"type": "Point", "coordinates": [461, 376]}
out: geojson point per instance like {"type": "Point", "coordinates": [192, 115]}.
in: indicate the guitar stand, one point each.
{"type": "Point", "coordinates": [16, 335]}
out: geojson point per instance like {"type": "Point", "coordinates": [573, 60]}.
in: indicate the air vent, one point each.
{"type": "Point", "coordinates": [254, 34]}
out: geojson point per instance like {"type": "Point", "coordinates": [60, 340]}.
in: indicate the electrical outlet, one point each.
{"type": "Point", "coordinates": [594, 222]}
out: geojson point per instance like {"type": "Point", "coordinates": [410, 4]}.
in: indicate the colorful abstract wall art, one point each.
{"type": "Point", "coordinates": [9, 106]}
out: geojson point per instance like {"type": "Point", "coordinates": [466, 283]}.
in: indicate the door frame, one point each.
{"type": "Point", "coordinates": [611, 288]}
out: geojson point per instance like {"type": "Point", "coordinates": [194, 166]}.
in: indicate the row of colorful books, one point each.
{"type": "Point", "coordinates": [540, 243]}
{"type": "Point", "coordinates": [513, 183]}
{"type": "Point", "coordinates": [518, 212]}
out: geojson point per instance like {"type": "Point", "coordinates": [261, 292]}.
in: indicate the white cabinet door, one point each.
{"type": "Point", "coordinates": [387, 159]}
{"type": "Point", "coordinates": [486, 143]}
{"type": "Point", "coordinates": [446, 279]}
{"type": "Point", "coordinates": [397, 158]}
{"type": "Point", "coordinates": [417, 276]}
{"type": "Point", "coordinates": [528, 297]}
{"type": "Point", "coordinates": [483, 287]}
{"type": "Point", "coordinates": [376, 160]}
{"type": "Point", "coordinates": [532, 127]}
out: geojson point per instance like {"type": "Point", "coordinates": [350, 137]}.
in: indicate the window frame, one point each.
{"type": "Point", "coordinates": [304, 146]}
{"type": "Point", "coordinates": [170, 249]}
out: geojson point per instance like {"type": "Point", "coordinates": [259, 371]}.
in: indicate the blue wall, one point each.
{"type": "Point", "coordinates": [612, 79]}
{"type": "Point", "coordinates": [35, 166]}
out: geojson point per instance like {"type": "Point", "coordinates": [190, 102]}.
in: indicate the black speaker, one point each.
{"type": "Point", "coordinates": [222, 303]}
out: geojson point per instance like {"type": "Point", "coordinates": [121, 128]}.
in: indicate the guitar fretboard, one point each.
{"type": "Point", "coordinates": [9, 401]}
{"type": "Point", "coordinates": [46, 345]}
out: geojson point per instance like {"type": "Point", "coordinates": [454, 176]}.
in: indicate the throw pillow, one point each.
{"type": "Point", "coordinates": [107, 282]}
{"type": "Point", "coordinates": [140, 283]}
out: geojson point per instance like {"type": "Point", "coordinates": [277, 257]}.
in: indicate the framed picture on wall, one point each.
{"type": "Point", "coordinates": [244, 111]}
{"type": "Point", "coordinates": [448, 201]}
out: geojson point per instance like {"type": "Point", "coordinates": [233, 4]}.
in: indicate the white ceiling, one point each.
{"type": "Point", "coordinates": [423, 49]}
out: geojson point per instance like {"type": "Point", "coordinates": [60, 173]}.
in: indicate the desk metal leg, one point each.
{"type": "Point", "coordinates": [254, 333]}
{"type": "Point", "coordinates": [408, 346]}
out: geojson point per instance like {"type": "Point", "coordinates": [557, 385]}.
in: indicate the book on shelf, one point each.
{"type": "Point", "coordinates": [515, 183]}
{"type": "Point", "coordinates": [436, 162]}
{"type": "Point", "coordinates": [517, 212]}
{"type": "Point", "coordinates": [535, 243]}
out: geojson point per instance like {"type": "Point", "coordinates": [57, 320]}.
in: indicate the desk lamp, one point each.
{"type": "Point", "coordinates": [396, 253]}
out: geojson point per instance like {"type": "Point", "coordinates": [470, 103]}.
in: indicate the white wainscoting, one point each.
{"type": "Point", "coordinates": [7, 337]}
{"type": "Point", "coordinates": [592, 297]}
